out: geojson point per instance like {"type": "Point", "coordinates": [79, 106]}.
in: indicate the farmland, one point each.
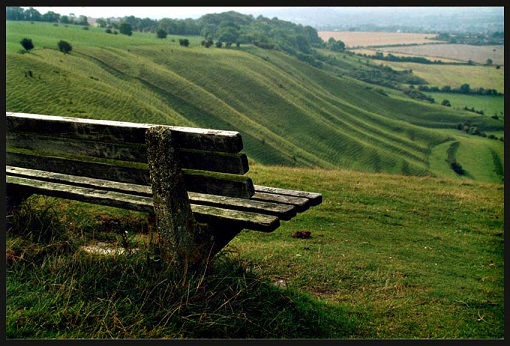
{"type": "Point", "coordinates": [415, 45]}
{"type": "Point", "coordinates": [487, 77]}
{"type": "Point", "coordinates": [462, 52]}
{"type": "Point", "coordinates": [354, 39]}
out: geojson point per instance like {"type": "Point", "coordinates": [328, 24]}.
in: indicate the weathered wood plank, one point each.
{"type": "Point", "coordinates": [94, 183]}
{"type": "Point", "coordinates": [214, 161]}
{"type": "Point", "coordinates": [234, 218]}
{"type": "Point", "coordinates": [232, 185]}
{"type": "Point", "coordinates": [83, 194]}
{"type": "Point", "coordinates": [69, 146]}
{"type": "Point", "coordinates": [301, 203]}
{"type": "Point", "coordinates": [242, 219]}
{"type": "Point", "coordinates": [283, 211]}
{"type": "Point", "coordinates": [198, 181]}
{"type": "Point", "coordinates": [314, 197]}
{"type": "Point", "coordinates": [121, 132]}
{"type": "Point", "coordinates": [192, 159]}
{"type": "Point", "coordinates": [101, 170]}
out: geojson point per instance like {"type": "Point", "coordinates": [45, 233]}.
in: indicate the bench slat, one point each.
{"type": "Point", "coordinates": [120, 132]}
{"type": "Point", "coordinates": [227, 185]}
{"type": "Point", "coordinates": [202, 213]}
{"type": "Point", "coordinates": [301, 203]}
{"type": "Point", "coordinates": [192, 159]}
{"type": "Point", "coordinates": [315, 198]}
{"type": "Point", "coordinates": [283, 211]}
{"type": "Point", "coordinates": [65, 146]}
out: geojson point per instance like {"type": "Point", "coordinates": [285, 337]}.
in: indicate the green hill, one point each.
{"type": "Point", "coordinates": [288, 112]}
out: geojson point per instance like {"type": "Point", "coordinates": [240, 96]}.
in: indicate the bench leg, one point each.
{"type": "Point", "coordinates": [14, 196]}
{"type": "Point", "coordinates": [183, 243]}
{"type": "Point", "coordinates": [222, 236]}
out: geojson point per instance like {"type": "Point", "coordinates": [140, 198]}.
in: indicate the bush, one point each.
{"type": "Point", "coordinates": [27, 44]}
{"type": "Point", "coordinates": [457, 167]}
{"type": "Point", "coordinates": [446, 103]}
{"type": "Point", "coordinates": [64, 46]}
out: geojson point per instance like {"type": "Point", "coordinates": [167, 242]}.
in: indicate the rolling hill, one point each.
{"type": "Point", "coordinates": [288, 112]}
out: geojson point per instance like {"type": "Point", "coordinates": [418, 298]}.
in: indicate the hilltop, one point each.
{"type": "Point", "coordinates": [288, 111]}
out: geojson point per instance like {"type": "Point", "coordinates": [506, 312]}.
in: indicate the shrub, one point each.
{"type": "Point", "coordinates": [64, 46]}
{"type": "Point", "coordinates": [27, 44]}
{"type": "Point", "coordinates": [457, 167]}
{"type": "Point", "coordinates": [184, 42]}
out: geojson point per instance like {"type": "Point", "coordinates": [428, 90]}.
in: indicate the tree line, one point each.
{"type": "Point", "coordinates": [226, 28]}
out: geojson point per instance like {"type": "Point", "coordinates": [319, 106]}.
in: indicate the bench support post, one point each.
{"type": "Point", "coordinates": [15, 197]}
{"type": "Point", "coordinates": [183, 243]}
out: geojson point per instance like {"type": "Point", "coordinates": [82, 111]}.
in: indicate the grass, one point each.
{"type": "Point", "coordinates": [389, 257]}
{"type": "Point", "coordinates": [490, 105]}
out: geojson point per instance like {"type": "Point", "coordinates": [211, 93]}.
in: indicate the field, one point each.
{"type": "Point", "coordinates": [416, 45]}
{"type": "Point", "coordinates": [490, 105]}
{"type": "Point", "coordinates": [389, 257]}
{"type": "Point", "coordinates": [353, 39]}
{"type": "Point", "coordinates": [487, 77]}
{"type": "Point", "coordinates": [461, 52]}
{"type": "Point", "coordinates": [369, 51]}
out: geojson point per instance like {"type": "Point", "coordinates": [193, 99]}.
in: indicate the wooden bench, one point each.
{"type": "Point", "coordinates": [192, 180]}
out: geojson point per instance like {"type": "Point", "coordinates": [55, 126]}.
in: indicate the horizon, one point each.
{"type": "Point", "coordinates": [195, 12]}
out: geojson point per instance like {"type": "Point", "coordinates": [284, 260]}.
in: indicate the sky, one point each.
{"type": "Point", "coordinates": [153, 12]}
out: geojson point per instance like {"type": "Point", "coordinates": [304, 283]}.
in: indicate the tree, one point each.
{"type": "Point", "coordinates": [27, 44]}
{"type": "Point", "coordinates": [161, 34]}
{"type": "Point", "coordinates": [51, 17]}
{"type": "Point", "coordinates": [338, 46]}
{"type": "Point", "coordinates": [64, 46]}
{"type": "Point", "coordinates": [101, 22]}
{"type": "Point", "coordinates": [465, 89]}
{"type": "Point", "coordinates": [207, 43]}
{"type": "Point", "coordinates": [33, 15]}
{"type": "Point", "coordinates": [446, 103]}
{"type": "Point", "coordinates": [65, 20]}
{"type": "Point", "coordinates": [184, 42]}
{"type": "Point", "coordinates": [83, 21]}
{"type": "Point", "coordinates": [125, 28]}
{"type": "Point", "coordinates": [14, 13]}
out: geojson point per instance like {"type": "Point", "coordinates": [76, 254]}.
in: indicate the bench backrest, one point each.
{"type": "Point", "coordinates": [211, 160]}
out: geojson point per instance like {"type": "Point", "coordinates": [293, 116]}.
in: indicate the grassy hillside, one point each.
{"type": "Point", "coordinates": [288, 112]}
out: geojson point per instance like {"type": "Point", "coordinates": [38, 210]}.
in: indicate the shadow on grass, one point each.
{"type": "Point", "coordinates": [57, 290]}
{"type": "Point", "coordinates": [76, 295]}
